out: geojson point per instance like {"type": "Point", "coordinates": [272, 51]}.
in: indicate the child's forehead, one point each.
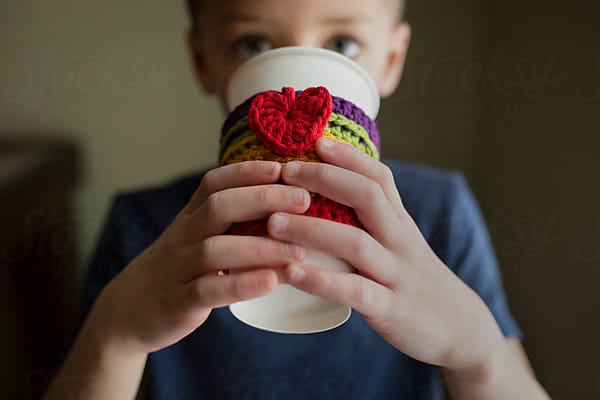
{"type": "Point", "coordinates": [327, 8]}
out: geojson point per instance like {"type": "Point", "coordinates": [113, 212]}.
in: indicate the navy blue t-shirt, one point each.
{"type": "Point", "coordinates": [225, 359]}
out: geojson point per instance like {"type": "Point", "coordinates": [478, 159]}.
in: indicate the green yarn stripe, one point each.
{"type": "Point", "coordinates": [353, 133]}
{"type": "Point", "coordinates": [235, 141]}
{"type": "Point", "coordinates": [338, 125]}
{"type": "Point", "coordinates": [239, 125]}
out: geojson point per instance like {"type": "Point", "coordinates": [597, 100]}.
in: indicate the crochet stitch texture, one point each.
{"type": "Point", "coordinates": [284, 126]}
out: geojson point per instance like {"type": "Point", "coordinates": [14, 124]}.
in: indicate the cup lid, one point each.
{"type": "Point", "coordinates": [301, 68]}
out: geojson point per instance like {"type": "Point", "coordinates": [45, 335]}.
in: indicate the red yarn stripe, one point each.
{"type": "Point", "coordinates": [320, 207]}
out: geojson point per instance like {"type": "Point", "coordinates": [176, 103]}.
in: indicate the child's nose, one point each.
{"type": "Point", "coordinates": [298, 38]}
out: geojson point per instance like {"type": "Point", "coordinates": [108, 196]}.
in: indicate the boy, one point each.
{"type": "Point", "coordinates": [427, 296]}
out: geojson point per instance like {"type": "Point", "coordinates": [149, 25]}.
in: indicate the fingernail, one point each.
{"type": "Point", "coordinates": [297, 274]}
{"type": "Point", "coordinates": [268, 167]}
{"type": "Point", "coordinates": [294, 251]}
{"type": "Point", "coordinates": [292, 169]}
{"type": "Point", "coordinates": [300, 196]}
{"type": "Point", "coordinates": [279, 222]}
{"type": "Point", "coordinates": [326, 144]}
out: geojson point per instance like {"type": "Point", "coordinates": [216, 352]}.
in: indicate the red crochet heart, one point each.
{"type": "Point", "coordinates": [287, 125]}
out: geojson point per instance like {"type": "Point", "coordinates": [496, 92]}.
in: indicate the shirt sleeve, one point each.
{"type": "Point", "coordinates": [470, 254]}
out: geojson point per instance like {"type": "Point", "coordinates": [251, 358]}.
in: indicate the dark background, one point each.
{"type": "Point", "coordinates": [507, 92]}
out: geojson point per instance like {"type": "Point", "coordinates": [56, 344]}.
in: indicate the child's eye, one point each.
{"type": "Point", "coordinates": [346, 46]}
{"type": "Point", "coordinates": [251, 46]}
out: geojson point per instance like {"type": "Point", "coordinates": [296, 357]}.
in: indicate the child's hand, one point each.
{"type": "Point", "coordinates": [169, 289]}
{"type": "Point", "coordinates": [402, 289]}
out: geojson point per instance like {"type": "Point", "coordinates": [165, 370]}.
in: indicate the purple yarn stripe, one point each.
{"type": "Point", "coordinates": [356, 114]}
{"type": "Point", "coordinates": [340, 106]}
{"type": "Point", "coordinates": [238, 113]}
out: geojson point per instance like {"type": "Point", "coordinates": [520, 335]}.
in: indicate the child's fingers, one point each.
{"type": "Point", "coordinates": [223, 208]}
{"type": "Point", "coordinates": [349, 157]}
{"type": "Point", "coordinates": [238, 252]}
{"type": "Point", "coordinates": [363, 194]}
{"type": "Point", "coordinates": [364, 295]}
{"type": "Point", "coordinates": [213, 291]}
{"type": "Point", "coordinates": [344, 241]}
{"type": "Point", "coordinates": [247, 173]}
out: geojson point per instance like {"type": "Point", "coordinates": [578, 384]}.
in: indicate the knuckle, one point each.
{"type": "Point", "coordinates": [386, 174]}
{"type": "Point", "coordinates": [208, 248]}
{"type": "Point", "coordinates": [308, 229]}
{"type": "Point", "coordinates": [406, 286]}
{"type": "Point", "coordinates": [242, 286]}
{"type": "Point", "coordinates": [269, 195]}
{"type": "Point", "coordinates": [388, 315]}
{"type": "Point", "coordinates": [207, 181]}
{"type": "Point", "coordinates": [324, 282]}
{"type": "Point", "coordinates": [214, 204]}
{"type": "Point", "coordinates": [322, 172]}
{"type": "Point", "coordinates": [198, 292]}
{"type": "Point", "coordinates": [361, 294]}
{"type": "Point", "coordinates": [253, 248]}
{"type": "Point", "coordinates": [263, 246]}
{"type": "Point", "coordinates": [373, 193]}
{"type": "Point", "coordinates": [361, 246]}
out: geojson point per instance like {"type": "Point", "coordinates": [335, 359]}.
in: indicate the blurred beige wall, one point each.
{"type": "Point", "coordinates": [114, 77]}
{"type": "Point", "coordinates": [507, 92]}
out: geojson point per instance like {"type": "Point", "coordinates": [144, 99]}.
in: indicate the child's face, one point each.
{"type": "Point", "coordinates": [231, 31]}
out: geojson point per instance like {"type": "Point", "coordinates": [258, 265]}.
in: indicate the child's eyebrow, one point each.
{"type": "Point", "coordinates": [230, 18]}
{"type": "Point", "coordinates": [237, 16]}
{"type": "Point", "coordinates": [348, 20]}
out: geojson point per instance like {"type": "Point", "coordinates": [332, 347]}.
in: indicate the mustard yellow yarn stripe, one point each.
{"type": "Point", "coordinates": [235, 141]}
{"type": "Point", "coordinates": [252, 149]}
{"type": "Point", "coordinates": [237, 146]}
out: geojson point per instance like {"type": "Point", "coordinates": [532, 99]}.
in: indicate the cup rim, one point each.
{"type": "Point", "coordinates": [312, 51]}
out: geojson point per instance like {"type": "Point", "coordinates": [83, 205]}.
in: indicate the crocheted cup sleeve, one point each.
{"type": "Point", "coordinates": [284, 126]}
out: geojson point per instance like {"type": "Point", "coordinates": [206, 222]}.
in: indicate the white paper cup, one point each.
{"type": "Point", "coordinates": [301, 68]}
{"type": "Point", "coordinates": [289, 310]}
